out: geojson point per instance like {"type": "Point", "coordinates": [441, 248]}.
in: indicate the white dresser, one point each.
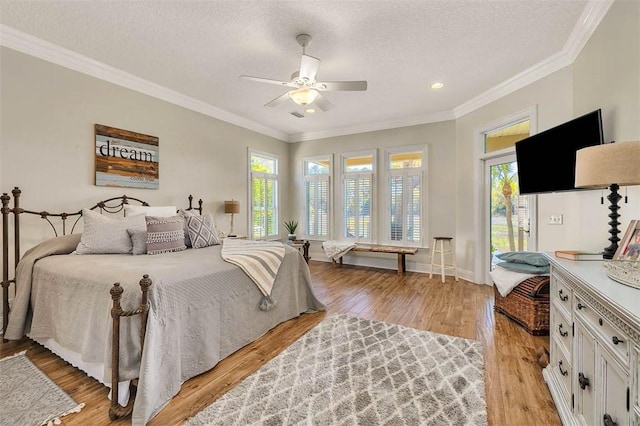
{"type": "Point", "coordinates": [594, 338]}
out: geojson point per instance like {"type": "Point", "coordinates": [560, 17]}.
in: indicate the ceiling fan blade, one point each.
{"type": "Point", "coordinates": [322, 103]}
{"type": "Point", "coordinates": [267, 80]}
{"type": "Point", "coordinates": [309, 67]}
{"type": "Point", "coordinates": [277, 101]}
{"type": "Point", "coordinates": [341, 85]}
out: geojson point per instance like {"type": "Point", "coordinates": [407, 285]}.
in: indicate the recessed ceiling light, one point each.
{"type": "Point", "coordinates": [309, 110]}
{"type": "Point", "coordinates": [437, 85]}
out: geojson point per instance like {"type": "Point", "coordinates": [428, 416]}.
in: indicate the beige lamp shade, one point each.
{"type": "Point", "coordinates": [232, 206]}
{"type": "Point", "coordinates": [602, 165]}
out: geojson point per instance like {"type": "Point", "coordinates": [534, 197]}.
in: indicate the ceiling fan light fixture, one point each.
{"type": "Point", "coordinates": [303, 96]}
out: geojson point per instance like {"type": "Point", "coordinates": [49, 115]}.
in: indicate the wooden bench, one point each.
{"type": "Point", "coordinates": [400, 251]}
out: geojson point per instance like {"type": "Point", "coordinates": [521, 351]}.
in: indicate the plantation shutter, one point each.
{"type": "Point", "coordinates": [271, 196]}
{"type": "Point", "coordinates": [405, 206]}
{"type": "Point", "coordinates": [396, 201]}
{"type": "Point", "coordinates": [414, 209]}
{"type": "Point", "coordinates": [317, 201]}
{"type": "Point", "coordinates": [264, 206]}
{"type": "Point", "coordinates": [357, 193]}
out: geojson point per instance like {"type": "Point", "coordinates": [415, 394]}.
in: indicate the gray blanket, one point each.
{"type": "Point", "coordinates": [202, 309]}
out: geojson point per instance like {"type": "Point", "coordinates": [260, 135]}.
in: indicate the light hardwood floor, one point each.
{"type": "Point", "coordinates": [516, 393]}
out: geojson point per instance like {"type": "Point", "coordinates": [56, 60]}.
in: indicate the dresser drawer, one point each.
{"type": "Point", "coordinates": [561, 366]}
{"type": "Point", "coordinates": [562, 328]}
{"type": "Point", "coordinates": [611, 337]}
{"type": "Point", "coordinates": [561, 293]}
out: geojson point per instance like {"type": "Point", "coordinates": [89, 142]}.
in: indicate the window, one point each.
{"type": "Point", "coordinates": [317, 174]}
{"type": "Point", "coordinates": [263, 171]}
{"type": "Point", "coordinates": [506, 137]}
{"type": "Point", "coordinates": [357, 196]}
{"type": "Point", "coordinates": [405, 174]}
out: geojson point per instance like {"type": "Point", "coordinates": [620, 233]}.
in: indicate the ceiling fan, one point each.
{"type": "Point", "coordinates": [305, 89]}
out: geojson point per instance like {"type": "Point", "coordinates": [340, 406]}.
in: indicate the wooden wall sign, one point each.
{"type": "Point", "coordinates": [126, 159]}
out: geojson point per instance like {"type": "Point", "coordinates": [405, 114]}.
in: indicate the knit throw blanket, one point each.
{"type": "Point", "coordinates": [336, 249]}
{"type": "Point", "coordinates": [260, 260]}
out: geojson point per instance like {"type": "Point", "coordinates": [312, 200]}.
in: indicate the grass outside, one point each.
{"type": "Point", "coordinates": [500, 234]}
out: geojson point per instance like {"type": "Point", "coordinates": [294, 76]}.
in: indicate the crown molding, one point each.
{"type": "Point", "coordinates": [33, 46]}
{"type": "Point", "coordinates": [373, 127]}
{"type": "Point", "coordinates": [589, 20]}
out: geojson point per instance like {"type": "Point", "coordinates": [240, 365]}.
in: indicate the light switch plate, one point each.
{"type": "Point", "coordinates": [555, 219]}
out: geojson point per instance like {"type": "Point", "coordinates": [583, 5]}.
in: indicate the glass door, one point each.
{"type": "Point", "coordinates": [509, 213]}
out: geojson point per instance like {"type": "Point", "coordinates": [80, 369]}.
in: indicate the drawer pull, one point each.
{"type": "Point", "coordinates": [563, 297]}
{"type": "Point", "coordinates": [584, 381]}
{"type": "Point", "coordinates": [581, 306]}
{"type": "Point", "coordinates": [608, 421]}
{"type": "Point", "coordinates": [563, 372]}
{"type": "Point", "coordinates": [563, 333]}
{"type": "Point", "coordinates": [600, 322]}
{"type": "Point", "coordinates": [616, 340]}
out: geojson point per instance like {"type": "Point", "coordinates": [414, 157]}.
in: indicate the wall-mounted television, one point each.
{"type": "Point", "coordinates": [547, 160]}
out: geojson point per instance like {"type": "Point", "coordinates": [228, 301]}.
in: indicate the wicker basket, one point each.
{"type": "Point", "coordinates": [527, 304]}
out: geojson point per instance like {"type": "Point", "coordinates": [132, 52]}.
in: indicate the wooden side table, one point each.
{"type": "Point", "coordinates": [301, 245]}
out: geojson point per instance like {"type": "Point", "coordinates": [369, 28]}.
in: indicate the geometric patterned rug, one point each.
{"type": "Point", "coordinates": [28, 396]}
{"type": "Point", "coordinates": [353, 371]}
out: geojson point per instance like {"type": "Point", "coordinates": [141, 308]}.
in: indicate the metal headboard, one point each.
{"type": "Point", "coordinates": [111, 205]}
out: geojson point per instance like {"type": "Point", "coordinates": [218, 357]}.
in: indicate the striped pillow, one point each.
{"type": "Point", "coordinates": [165, 234]}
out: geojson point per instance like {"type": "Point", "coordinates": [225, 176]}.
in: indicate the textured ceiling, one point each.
{"type": "Point", "coordinates": [200, 48]}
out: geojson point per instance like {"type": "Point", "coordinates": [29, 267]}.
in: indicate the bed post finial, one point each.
{"type": "Point", "coordinates": [145, 283]}
{"type": "Point", "coordinates": [200, 206]}
{"type": "Point", "coordinates": [116, 294]}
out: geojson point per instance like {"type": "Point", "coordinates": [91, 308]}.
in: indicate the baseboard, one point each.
{"type": "Point", "coordinates": [390, 263]}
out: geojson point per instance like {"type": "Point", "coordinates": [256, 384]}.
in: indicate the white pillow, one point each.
{"type": "Point", "coordinates": [103, 234]}
{"type": "Point", "coordinates": [157, 211]}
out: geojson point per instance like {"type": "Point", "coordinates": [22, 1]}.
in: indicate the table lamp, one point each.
{"type": "Point", "coordinates": [232, 207]}
{"type": "Point", "coordinates": [609, 165]}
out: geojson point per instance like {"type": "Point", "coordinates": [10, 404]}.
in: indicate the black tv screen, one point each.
{"type": "Point", "coordinates": [547, 160]}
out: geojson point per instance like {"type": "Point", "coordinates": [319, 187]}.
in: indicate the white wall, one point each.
{"type": "Point", "coordinates": [47, 114]}
{"type": "Point", "coordinates": [605, 75]}
{"type": "Point", "coordinates": [552, 97]}
{"type": "Point", "coordinates": [441, 201]}
{"type": "Point", "coordinates": [47, 142]}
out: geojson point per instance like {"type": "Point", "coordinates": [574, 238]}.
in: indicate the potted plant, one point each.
{"type": "Point", "coordinates": [291, 226]}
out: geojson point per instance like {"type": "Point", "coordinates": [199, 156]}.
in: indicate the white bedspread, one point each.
{"type": "Point", "coordinates": [202, 309]}
{"type": "Point", "coordinates": [336, 249]}
{"type": "Point", "coordinates": [506, 280]}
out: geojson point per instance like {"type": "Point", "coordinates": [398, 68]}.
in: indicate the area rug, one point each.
{"type": "Point", "coordinates": [29, 397]}
{"type": "Point", "coordinates": [353, 371]}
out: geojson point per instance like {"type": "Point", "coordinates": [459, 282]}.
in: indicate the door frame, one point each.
{"type": "Point", "coordinates": [481, 202]}
{"type": "Point", "coordinates": [504, 157]}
